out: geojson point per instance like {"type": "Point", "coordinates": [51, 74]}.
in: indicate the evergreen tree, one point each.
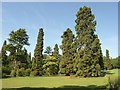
{"type": "Point", "coordinates": [66, 63]}
{"type": "Point", "coordinates": [4, 61]}
{"type": "Point", "coordinates": [56, 52]}
{"type": "Point", "coordinates": [29, 61]}
{"type": "Point", "coordinates": [17, 40]}
{"type": "Point", "coordinates": [107, 62]}
{"type": "Point", "coordinates": [51, 66]}
{"type": "Point", "coordinates": [3, 54]}
{"type": "Point", "coordinates": [38, 53]}
{"type": "Point", "coordinates": [88, 59]}
{"type": "Point", "coordinates": [48, 50]}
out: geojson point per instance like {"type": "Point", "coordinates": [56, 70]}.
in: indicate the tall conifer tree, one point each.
{"type": "Point", "coordinates": [56, 52]}
{"type": "Point", "coordinates": [38, 53]}
{"type": "Point", "coordinates": [66, 63]}
{"type": "Point", "coordinates": [108, 64]}
{"type": "Point", "coordinates": [88, 58]}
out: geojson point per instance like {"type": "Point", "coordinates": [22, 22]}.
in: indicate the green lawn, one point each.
{"type": "Point", "coordinates": [56, 82]}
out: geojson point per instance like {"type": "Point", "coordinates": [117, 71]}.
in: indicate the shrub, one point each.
{"type": "Point", "coordinates": [20, 72]}
{"type": "Point", "coordinates": [4, 75]}
{"type": "Point", "coordinates": [6, 70]}
{"type": "Point", "coordinates": [13, 73]}
{"type": "Point", "coordinates": [34, 73]}
{"type": "Point", "coordinates": [50, 68]}
{"type": "Point", "coordinates": [27, 72]}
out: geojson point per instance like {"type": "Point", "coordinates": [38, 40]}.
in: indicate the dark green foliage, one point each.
{"type": "Point", "coordinates": [107, 62]}
{"type": "Point", "coordinates": [17, 54]}
{"type": "Point", "coordinates": [56, 53]}
{"type": "Point", "coordinates": [5, 71]}
{"type": "Point", "coordinates": [39, 46]}
{"type": "Point", "coordinates": [4, 54]}
{"type": "Point", "coordinates": [20, 72]}
{"type": "Point", "coordinates": [4, 61]}
{"type": "Point", "coordinates": [29, 61]}
{"type": "Point", "coordinates": [27, 72]}
{"type": "Point", "coordinates": [115, 62]}
{"type": "Point", "coordinates": [51, 66]}
{"type": "Point", "coordinates": [38, 56]}
{"type": "Point", "coordinates": [34, 73]}
{"type": "Point", "coordinates": [13, 73]}
{"type": "Point", "coordinates": [88, 59]}
{"type": "Point", "coordinates": [66, 63]}
{"type": "Point", "coordinates": [48, 50]}
{"type": "Point", "coordinates": [36, 68]}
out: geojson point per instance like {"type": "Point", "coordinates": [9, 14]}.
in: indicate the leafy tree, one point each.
{"type": "Point", "coordinates": [17, 40]}
{"type": "Point", "coordinates": [56, 53]}
{"type": "Point", "coordinates": [107, 62]}
{"type": "Point", "coordinates": [48, 50]}
{"type": "Point", "coordinates": [51, 66]}
{"type": "Point", "coordinates": [115, 62]}
{"type": "Point", "coordinates": [66, 63]}
{"type": "Point", "coordinates": [88, 58]}
{"type": "Point", "coordinates": [38, 56]}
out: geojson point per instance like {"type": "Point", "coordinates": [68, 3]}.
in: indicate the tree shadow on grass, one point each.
{"type": "Point", "coordinates": [109, 73]}
{"type": "Point", "coordinates": [91, 87]}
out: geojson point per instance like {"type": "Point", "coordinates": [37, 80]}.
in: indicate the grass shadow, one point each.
{"type": "Point", "coordinates": [91, 87]}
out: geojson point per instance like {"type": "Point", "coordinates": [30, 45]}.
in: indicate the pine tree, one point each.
{"type": "Point", "coordinates": [88, 59]}
{"type": "Point", "coordinates": [38, 52]}
{"type": "Point", "coordinates": [66, 63]}
{"type": "Point", "coordinates": [48, 50]}
{"type": "Point", "coordinates": [108, 64]}
{"type": "Point", "coordinates": [17, 40]}
{"type": "Point", "coordinates": [56, 52]}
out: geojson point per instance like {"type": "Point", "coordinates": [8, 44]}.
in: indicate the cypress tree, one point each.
{"type": "Point", "coordinates": [88, 59]}
{"type": "Point", "coordinates": [56, 52]}
{"type": "Point", "coordinates": [108, 64]}
{"type": "Point", "coordinates": [3, 54]}
{"type": "Point", "coordinates": [38, 53]}
{"type": "Point", "coordinates": [66, 63]}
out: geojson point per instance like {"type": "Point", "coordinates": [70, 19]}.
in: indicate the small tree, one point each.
{"type": "Point", "coordinates": [51, 66]}
{"type": "Point", "coordinates": [56, 52]}
{"type": "Point", "coordinates": [107, 62]}
{"type": "Point", "coordinates": [48, 50]}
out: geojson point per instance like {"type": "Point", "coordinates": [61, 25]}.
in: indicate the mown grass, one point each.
{"type": "Point", "coordinates": [58, 81]}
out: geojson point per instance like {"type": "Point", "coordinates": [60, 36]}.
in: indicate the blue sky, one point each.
{"type": "Point", "coordinates": [55, 18]}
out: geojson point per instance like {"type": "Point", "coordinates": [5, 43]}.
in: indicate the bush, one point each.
{"type": "Point", "coordinates": [50, 68]}
{"type": "Point", "coordinates": [34, 73]}
{"type": "Point", "coordinates": [13, 73]}
{"type": "Point", "coordinates": [27, 72]}
{"type": "Point", "coordinates": [20, 72]}
{"type": "Point", "coordinates": [4, 75]}
{"type": "Point", "coordinates": [6, 70]}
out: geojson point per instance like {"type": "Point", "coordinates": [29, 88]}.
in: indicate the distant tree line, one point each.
{"type": "Point", "coordinates": [81, 53]}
